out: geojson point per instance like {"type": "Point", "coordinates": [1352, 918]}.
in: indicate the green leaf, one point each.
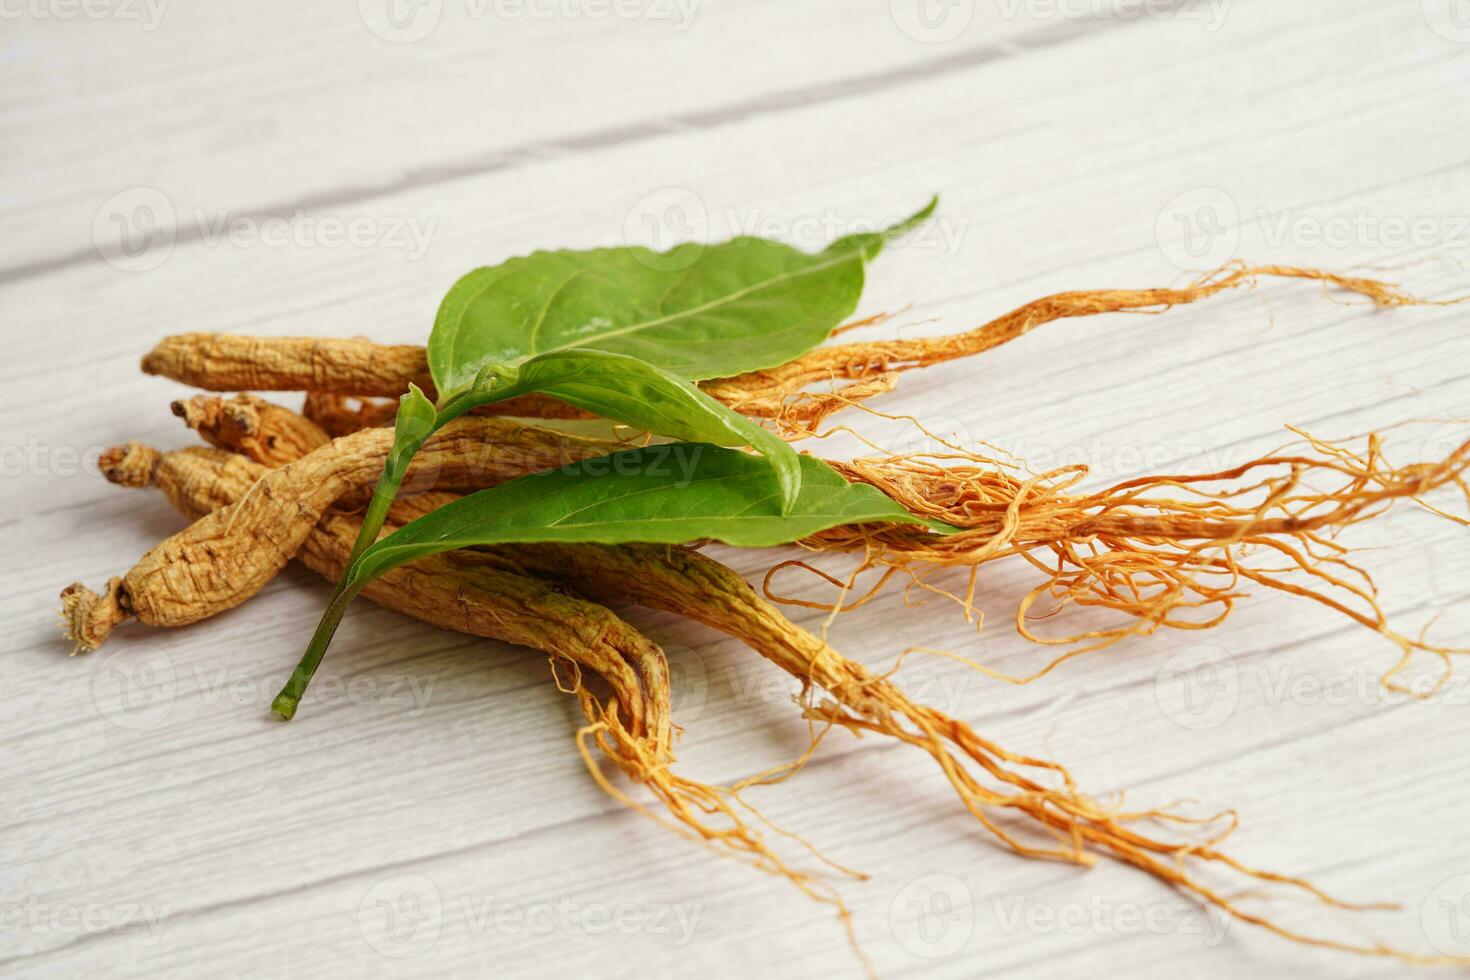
{"type": "Point", "coordinates": [700, 311]}
{"type": "Point", "coordinates": [870, 243]}
{"type": "Point", "coordinates": [621, 332]}
{"type": "Point", "coordinates": [636, 393]}
{"type": "Point", "coordinates": [670, 494]}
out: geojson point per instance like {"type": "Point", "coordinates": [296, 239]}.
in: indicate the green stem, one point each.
{"type": "Point", "coordinates": [287, 701]}
{"type": "Point", "coordinates": [417, 421]}
{"type": "Point", "coordinates": [372, 522]}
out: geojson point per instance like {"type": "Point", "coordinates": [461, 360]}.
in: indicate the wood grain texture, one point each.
{"type": "Point", "coordinates": [441, 767]}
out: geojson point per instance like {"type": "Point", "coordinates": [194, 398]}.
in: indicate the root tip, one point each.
{"type": "Point", "coordinates": [90, 618]}
{"type": "Point", "coordinates": [132, 465]}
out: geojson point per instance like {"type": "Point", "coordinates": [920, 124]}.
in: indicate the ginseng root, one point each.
{"type": "Point", "coordinates": [230, 554]}
{"type": "Point", "coordinates": [762, 393]}
{"type": "Point", "coordinates": [682, 581]}
{"type": "Point", "coordinates": [275, 435]}
{"type": "Point", "coordinates": [336, 416]}
{"type": "Point", "coordinates": [986, 776]}
{"type": "Point", "coordinates": [227, 362]}
{"type": "Point", "coordinates": [454, 591]}
{"type": "Point", "coordinates": [1163, 551]}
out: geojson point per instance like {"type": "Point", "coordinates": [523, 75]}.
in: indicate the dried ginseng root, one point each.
{"type": "Point", "coordinates": [274, 435]}
{"type": "Point", "coordinates": [1161, 551]}
{"type": "Point", "coordinates": [230, 554]}
{"type": "Point", "coordinates": [985, 776]}
{"type": "Point", "coordinates": [1168, 551]}
{"type": "Point", "coordinates": [457, 592]}
{"type": "Point", "coordinates": [763, 393]}
{"type": "Point", "coordinates": [227, 362]}
{"type": "Point", "coordinates": [336, 416]}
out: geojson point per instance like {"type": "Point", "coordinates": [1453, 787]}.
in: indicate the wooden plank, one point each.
{"type": "Point", "coordinates": [265, 847]}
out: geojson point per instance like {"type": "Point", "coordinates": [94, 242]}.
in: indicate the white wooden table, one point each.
{"type": "Point", "coordinates": [179, 166]}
